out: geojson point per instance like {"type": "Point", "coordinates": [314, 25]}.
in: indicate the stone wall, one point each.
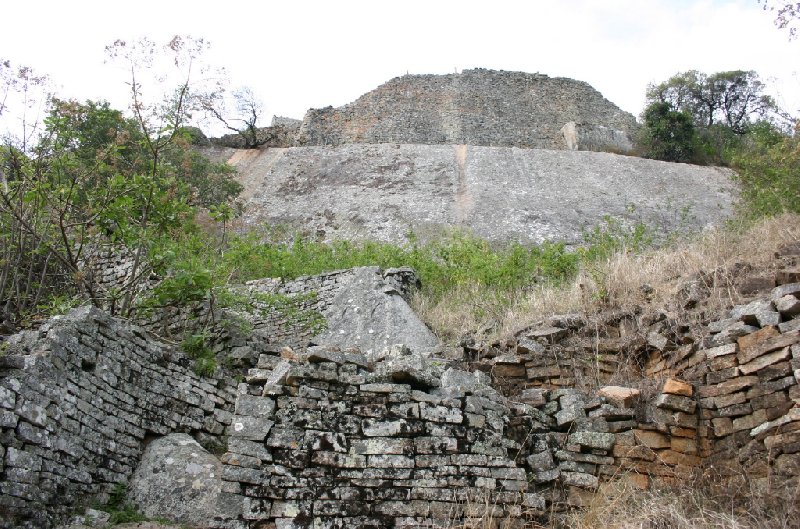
{"type": "Point", "coordinates": [78, 399]}
{"type": "Point", "coordinates": [474, 107]}
{"type": "Point", "coordinates": [323, 436]}
{"type": "Point", "coordinates": [723, 394]}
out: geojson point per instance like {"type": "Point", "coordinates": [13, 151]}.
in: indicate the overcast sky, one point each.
{"type": "Point", "coordinates": [301, 54]}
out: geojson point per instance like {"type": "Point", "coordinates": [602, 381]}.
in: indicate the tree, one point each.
{"type": "Point", "coordinates": [668, 134]}
{"type": "Point", "coordinates": [97, 180]}
{"type": "Point", "coordinates": [243, 120]}
{"type": "Point", "coordinates": [735, 99]}
{"type": "Point", "coordinates": [786, 15]}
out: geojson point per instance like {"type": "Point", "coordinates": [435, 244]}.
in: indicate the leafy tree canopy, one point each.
{"type": "Point", "coordinates": [735, 99]}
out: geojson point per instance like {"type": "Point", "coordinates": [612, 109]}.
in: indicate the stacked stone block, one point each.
{"type": "Point", "coordinates": [334, 440]}
{"type": "Point", "coordinates": [475, 107]}
{"type": "Point", "coordinates": [78, 398]}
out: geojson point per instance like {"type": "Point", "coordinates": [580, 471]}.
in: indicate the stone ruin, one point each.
{"type": "Point", "coordinates": [475, 107]}
{"type": "Point", "coordinates": [333, 436]}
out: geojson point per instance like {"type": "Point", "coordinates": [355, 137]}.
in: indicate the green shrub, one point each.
{"type": "Point", "coordinates": [768, 168]}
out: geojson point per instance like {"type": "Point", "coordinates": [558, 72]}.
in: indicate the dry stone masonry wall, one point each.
{"type": "Point", "coordinates": [330, 437]}
{"type": "Point", "coordinates": [78, 399]}
{"type": "Point", "coordinates": [474, 107]}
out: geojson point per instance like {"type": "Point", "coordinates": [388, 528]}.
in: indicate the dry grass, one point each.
{"type": "Point", "coordinates": [616, 283]}
{"type": "Point", "coordinates": [618, 505]}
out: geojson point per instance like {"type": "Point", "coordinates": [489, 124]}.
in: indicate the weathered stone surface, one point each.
{"type": "Point", "coordinates": [593, 440]}
{"type": "Point", "coordinates": [179, 480]}
{"type": "Point", "coordinates": [471, 107]}
{"type": "Point", "coordinates": [620, 396]}
{"type": "Point", "coordinates": [422, 188]}
{"type": "Point", "coordinates": [788, 305]}
{"type": "Point", "coordinates": [768, 342]}
{"type": "Point", "coordinates": [748, 313]}
{"type": "Point", "coordinates": [676, 402]}
{"type": "Point", "coordinates": [673, 386]}
{"type": "Point", "coordinates": [789, 289]}
{"type": "Point", "coordinates": [365, 316]}
{"type": "Point", "coordinates": [765, 360]}
{"type": "Point", "coordinates": [651, 439]}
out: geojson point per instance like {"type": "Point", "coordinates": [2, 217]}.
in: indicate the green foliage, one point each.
{"type": "Point", "coordinates": [768, 169]}
{"type": "Point", "coordinates": [94, 181]}
{"type": "Point", "coordinates": [196, 346]}
{"type": "Point", "coordinates": [60, 304]}
{"type": "Point", "coordinates": [668, 134]}
{"type": "Point", "coordinates": [604, 241]}
{"type": "Point", "coordinates": [118, 507]}
{"type": "Point", "coordinates": [455, 260]}
{"type": "Point", "coordinates": [732, 98]}
{"type": "Point", "coordinates": [613, 236]}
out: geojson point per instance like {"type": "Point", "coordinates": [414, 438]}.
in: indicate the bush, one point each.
{"type": "Point", "coordinates": [768, 167]}
{"type": "Point", "coordinates": [667, 134]}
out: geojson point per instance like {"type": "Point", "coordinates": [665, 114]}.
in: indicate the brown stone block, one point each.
{"type": "Point", "coordinates": [674, 386]}
{"type": "Point", "coordinates": [748, 422]}
{"type": "Point", "coordinates": [778, 370]}
{"type": "Point", "coordinates": [766, 360]}
{"type": "Point", "coordinates": [683, 445]}
{"type": "Point", "coordinates": [620, 397]}
{"type": "Point", "coordinates": [777, 384]}
{"type": "Point", "coordinates": [721, 375]}
{"type": "Point", "coordinates": [723, 362]}
{"type": "Point", "coordinates": [509, 371]}
{"type": "Point", "coordinates": [794, 394]}
{"type": "Point", "coordinates": [778, 411]}
{"type": "Point", "coordinates": [769, 401]}
{"type": "Point", "coordinates": [543, 372]}
{"type": "Point", "coordinates": [651, 439]}
{"type": "Point", "coordinates": [670, 457]}
{"type": "Point", "coordinates": [775, 443]}
{"type": "Point", "coordinates": [676, 402]}
{"type": "Point", "coordinates": [722, 426]}
{"type": "Point", "coordinates": [727, 387]}
{"type": "Point", "coordinates": [640, 481]}
{"type": "Point", "coordinates": [754, 339]}
{"type": "Point", "coordinates": [769, 343]}
{"type": "Point", "coordinates": [633, 452]}
{"type": "Point", "coordinates": [677, 431]}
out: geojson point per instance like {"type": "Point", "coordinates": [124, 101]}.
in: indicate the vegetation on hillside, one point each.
{"type": "Point", "coordinates": [95, 181]}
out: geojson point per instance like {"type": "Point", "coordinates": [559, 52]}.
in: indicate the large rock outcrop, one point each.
{"type": "Point", "coordinates": [503, 194]}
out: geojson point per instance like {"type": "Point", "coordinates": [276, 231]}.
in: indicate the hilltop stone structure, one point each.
{"type": "Point", "coordinates": [333, 406]}
{"type": "Point", "coordinates": [474, 107]}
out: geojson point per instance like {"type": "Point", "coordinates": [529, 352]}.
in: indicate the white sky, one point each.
{"type": "Point", "coordinates": [301, 54]}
